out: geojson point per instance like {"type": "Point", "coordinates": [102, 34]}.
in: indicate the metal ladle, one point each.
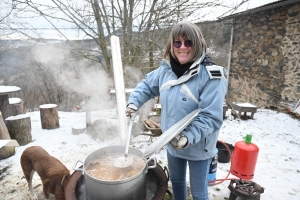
{"type": "Point", "coordinates": [126, 161]}
{"type": "Point", "coordinates": [162, 140]}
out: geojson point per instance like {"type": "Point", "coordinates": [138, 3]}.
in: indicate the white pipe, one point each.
{"type": "Point", "coordinates": [119, 85]}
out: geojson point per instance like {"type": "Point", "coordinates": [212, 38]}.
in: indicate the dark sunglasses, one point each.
{"type": "Point", "coordinates": [187, 43]}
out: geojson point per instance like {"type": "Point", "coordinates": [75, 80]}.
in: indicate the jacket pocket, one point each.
{"type": "Point", "coordinates": [205, 145]}
{"type": "Point", "coordinates": [210, 142]}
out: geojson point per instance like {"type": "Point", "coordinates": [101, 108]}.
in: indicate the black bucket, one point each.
{"type": "Point", "coordinates": [223, 154]}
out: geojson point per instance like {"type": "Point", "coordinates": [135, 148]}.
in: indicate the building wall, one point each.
{"type": "Point", "coordinates": [265, 65]}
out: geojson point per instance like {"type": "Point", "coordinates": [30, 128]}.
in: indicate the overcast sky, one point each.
{"type": "Point", "coordinates": [255, 3]}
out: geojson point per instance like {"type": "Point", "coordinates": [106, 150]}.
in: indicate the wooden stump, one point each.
{"type": "Point", "coordinates": [5, 151]}
{"type": "Point", "coordinates": [4, 106]}
{"type": "Point", "coordinates": [77, 130]}
{"type": "Point", "coordinates": [19, 128]}
{"type": "Point", "coordinates": [49, 116]}
{"type": "Point", "coordinates": [16, 106]}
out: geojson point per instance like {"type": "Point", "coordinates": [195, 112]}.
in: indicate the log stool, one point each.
{"type": "Point", "coordinates": [4, 99]}
{"type": "Point", "coordinates": [5, 151]}
{"type": "Point", "coordinates": [4, 106]}
{"type": "Point", "coordinates": [78, 128]}
{"type": "Point", "coordinates": [19, 128]}
{"type": "Point", "coordinates": [49, 116]}
{"type": "Point", "coordinates": [16, 106]}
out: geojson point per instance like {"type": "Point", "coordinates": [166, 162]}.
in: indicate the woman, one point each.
{"type": "Point", "coordinates": [186, 80]}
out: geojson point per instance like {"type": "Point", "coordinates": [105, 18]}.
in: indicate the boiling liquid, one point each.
{"type": "Point", "coordinates": [103, 168]}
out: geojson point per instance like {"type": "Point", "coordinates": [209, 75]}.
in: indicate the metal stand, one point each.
{"type": "Point", "coordinates": [245, 189]}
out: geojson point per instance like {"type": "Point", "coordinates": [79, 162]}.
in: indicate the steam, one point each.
{"type": "Point", "coordinates": [89, 79]}
{"type": "Point", "coordinates": [82, 76]}
{"type": "Point", "coordinates": [132, 77]}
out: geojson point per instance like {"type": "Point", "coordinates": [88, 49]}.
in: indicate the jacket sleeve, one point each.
{"type": "Point", "coordinates": [148, 88]}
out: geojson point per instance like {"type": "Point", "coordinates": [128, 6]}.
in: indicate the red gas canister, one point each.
{"type": "Point", "coordinates": [244, 159]}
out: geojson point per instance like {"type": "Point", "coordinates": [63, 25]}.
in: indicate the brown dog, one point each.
{"type": "Point", "coordinates": [53, 173]}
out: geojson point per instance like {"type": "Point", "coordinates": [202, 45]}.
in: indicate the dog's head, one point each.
{"type": "Point", "coordinates": [61, 187]}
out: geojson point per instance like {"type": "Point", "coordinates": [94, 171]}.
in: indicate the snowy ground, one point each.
{"type": "Point", "coordinates": [276, 134]}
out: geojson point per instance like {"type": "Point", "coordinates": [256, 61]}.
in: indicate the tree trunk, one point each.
{"type": "Point", "coordinates": [49, 116]}
{"type": "Point", "coordinates": [5, 151]}
{"type": "Point", "coordinates": [19, 128]}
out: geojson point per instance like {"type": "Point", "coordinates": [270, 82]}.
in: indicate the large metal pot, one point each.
{"type": "Point", "coordinates": [133, 188]}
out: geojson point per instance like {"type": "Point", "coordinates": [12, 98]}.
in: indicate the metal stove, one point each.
{"type": "Point", "coordinates": [156, 185]}
{"type": "Point", "coordinates": [245, 189]}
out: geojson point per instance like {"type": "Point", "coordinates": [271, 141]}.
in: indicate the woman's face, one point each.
{"type": "Point", "coordinates": [183, 52]}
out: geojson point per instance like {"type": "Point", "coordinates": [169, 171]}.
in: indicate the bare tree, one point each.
{"type": "Point", "coordinates": [5, 11]}
{"type": "Point", "coordinates": [142, 25]}
{"type": "Point", "coordinates": [45, 74]}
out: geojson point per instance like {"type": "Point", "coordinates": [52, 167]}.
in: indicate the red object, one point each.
{"type": "Point", "coordinates": [244, 159]}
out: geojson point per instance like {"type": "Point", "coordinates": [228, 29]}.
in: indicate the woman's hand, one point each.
{"type": "Point", "coordinates": [179, 142]}
{"type": "Point", "coordinates": [130, 109]}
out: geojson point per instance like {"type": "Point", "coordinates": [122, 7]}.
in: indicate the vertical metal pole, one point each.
{"type": "Point", "coordinates": [230, 51]}
{"type": "Point", "coordinates": [88, 115]}
{"type": "Point", "coordinates": [119, 86]}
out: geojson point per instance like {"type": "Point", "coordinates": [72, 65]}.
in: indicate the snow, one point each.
{"type": "Point", "coordinates": [8, 89]}
{"type": "Point", "coordinates": [14, 100]}
{"type": "Point", "coordinates": [244, 104]}
{"type": "Point", "coordinates": [21, 116]}
{"type": "Point", "coordinates": [276, 134]}
{"type": "Point", "coordinates": [8, 142]}
{"type": "Point", "coordinates": [48, 106]}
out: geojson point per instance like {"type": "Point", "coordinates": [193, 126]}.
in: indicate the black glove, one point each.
{"type": "Point", "coordinates": [130, 109]}
{"type": "Point", "coordinates": [179, 142]}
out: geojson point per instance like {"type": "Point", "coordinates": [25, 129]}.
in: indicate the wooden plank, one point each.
{"type": "Point", "coordinates": [119, 86]}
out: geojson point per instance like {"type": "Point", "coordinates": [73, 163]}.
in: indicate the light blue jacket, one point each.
{"type": "Point", "coordinates": [200, 87]}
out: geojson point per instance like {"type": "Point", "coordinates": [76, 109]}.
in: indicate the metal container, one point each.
{"type": "Point", "coordinates": [244, 159]}
{"type": "Point", "coordinates": [133, 188]}
{"type": "Point", "coordinates": [156, 185]}
{"type": "Point", "coordinates": [225, 151]}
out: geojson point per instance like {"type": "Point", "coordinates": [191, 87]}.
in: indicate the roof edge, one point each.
{"type": "Point", "coordinates": [272, 5]}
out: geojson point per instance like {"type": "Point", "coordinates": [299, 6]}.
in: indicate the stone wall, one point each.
{"type": "Point", "coordinates": [265, 64]}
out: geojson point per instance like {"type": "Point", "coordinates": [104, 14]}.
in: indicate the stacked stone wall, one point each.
{"type": "Point", "coordinates": [265, 65]}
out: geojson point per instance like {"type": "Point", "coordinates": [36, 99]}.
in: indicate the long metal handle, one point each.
{"type": "Point", "coordinates": [172, 132]}
{"type": "Point", "coordinates": [128, 136]}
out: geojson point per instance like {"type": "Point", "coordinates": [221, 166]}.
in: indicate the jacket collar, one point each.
{"type": "Point", "coordinates": [193, 70]}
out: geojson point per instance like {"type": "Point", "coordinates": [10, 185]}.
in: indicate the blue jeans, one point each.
{"type": "Point", "coordinates": [198, 177]}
